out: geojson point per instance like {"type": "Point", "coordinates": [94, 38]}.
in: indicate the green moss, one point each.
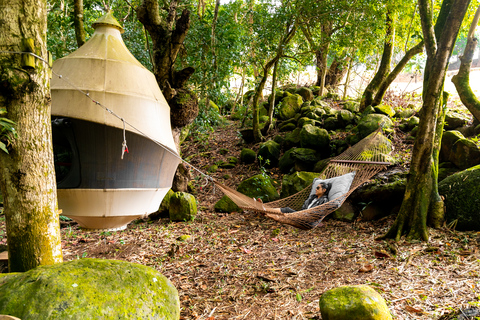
{"type": "Point", "coordinates": [353, 303]}
{"type": "Point", "coordinates": [90, 289]}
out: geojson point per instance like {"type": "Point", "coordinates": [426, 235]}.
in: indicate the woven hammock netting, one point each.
{"type": "Point", "coordinates": [366, 158]}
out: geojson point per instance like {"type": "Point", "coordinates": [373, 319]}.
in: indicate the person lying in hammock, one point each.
{"type": "Point", "coordinates": [319, 197]}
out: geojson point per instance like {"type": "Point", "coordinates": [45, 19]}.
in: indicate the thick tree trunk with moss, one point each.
{"type": "Point", "coordinates": [167, 36]}
{"type": "Point", "coordinates": [27, 172]}
{"type": "Point", "coordinates": [462, 79]}
{"type": "Point", "coordinates": [336, 72]}
{"type": "Point", "coordinates": [436, 213]}
{"type": "Point", "coordinates": [382, 89]}
{"type": "Point", "coordinates": [384, 68]}
{"type": "Point", "coordinates": [417, 203]}
{"type": "Point", "coordinates": [78, 22]}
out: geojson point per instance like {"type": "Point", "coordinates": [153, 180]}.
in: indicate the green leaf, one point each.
{"type": "Point", "coordinates": [3, 147]}
{"type": "Point", "coordinates": [299, 297]}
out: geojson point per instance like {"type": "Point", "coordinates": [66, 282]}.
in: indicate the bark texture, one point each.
{"type": "Point", "coordinates": [462, 79]}
{"type": "Point", "coordinates": [167, 36]}
{"type": "Point", "coordinates": [420, 189]}
{"type": "Point", "coordinates": [27, 176]}
{"type": "Point", "coordinates": [80, 33]}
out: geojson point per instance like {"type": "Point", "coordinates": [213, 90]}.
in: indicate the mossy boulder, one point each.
{"type": "Point", "coordinates": [370, 122]}
{"type": "Point", "coordinates": [248, 156]}
{"type": "Point", "coordinates": [287, 161]}
{"type": "Point", "coordinates": [345, 118]}
{"type": "Point", "coordinates": [289, 106]}
{"type": "Point", "coordinates": [183, 207]}
{"type": "Point", "coordinates": [225, 204]}
{"type": "Point", "coordinates": [315, 138]}
{"type": "Point", "coordinates": [405, 113]}
{"type": "Point", "coordinates": [305, 93]}
{"type": "Point", "coordinates": [292, 139]}
{"type": "Point", "coordinates": [287, 126]}
{"type": "Point", "coordinates": [89, 289]}
{"type": "Point", "coordinates": [331, 123]}
{"type": "Point", "coordinates": [259, 186]}
{"type": "Point", "coordinates": [448, 140]}
{"type": "Point", "coordinates": [462, 198]}
{"type": "Point", "coordinates": [455, 120]}
{"type": "Point", "coordinates": [296, 182]}
{"type": "Point", "coordinates": [353, 303]}
{"type": "Point", "coordinates": [385, 109]}
{"type": "Point", "coordinates": [464, 154]}
{"type": "Point", "coordinates": [352, 106]}
{"type": "Point", "coordinates": [268, 154]}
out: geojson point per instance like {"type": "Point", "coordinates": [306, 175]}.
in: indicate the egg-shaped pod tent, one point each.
{"type": "Point", "coordinates": [96, 187]}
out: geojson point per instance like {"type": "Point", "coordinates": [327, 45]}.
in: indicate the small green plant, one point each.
{"type": "Point", "coordinates": [262, 165]}
{"type": "Point", "coordinates": [7, 131]}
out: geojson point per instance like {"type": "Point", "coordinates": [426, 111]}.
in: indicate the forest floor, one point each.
{"type": "Point", "coordinates": [245, 266]}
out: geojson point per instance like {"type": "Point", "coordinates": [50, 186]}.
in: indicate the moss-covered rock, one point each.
{"type": "Point", "coordinates": [315, 138]}
{"type": "Point", "coordinates": [287, 126]}
{"type": "Point", "coordinates": [345, 118]}
{"type": "Point", "coordinates": [462, 198]}
{"type": "Point", "coordinates": [259, 186]}
{"type": "Point", "coordinates": [331, 123]}
{"type": "Point", "coordinates": [289, 106]}
{"type": "Point", "coordinates": [287, 161]}
{"type": "Point", "coordinates": [89, 289]}
{"type": "Point", "coordinates": [455, 120]}
{"type": "Point", "coordinates": [225, 204]}
{"type": "Point", "coordinates": [296, 182]}
{"type": "Point", "coordinates": [385, 109]}
{"type": "Point", "coordinates": [304, 121]}
{"type": "Point", "coordinates": [465, 154]}
{"type": "Point", "coordinates": [448, 140]}
{"type": "Point", "coordinates": [268, 154]}
{"type": "Point", "coordinates": [405, 113]}
{"type": "Point", "coordinates": [371, 122]}
{"type": "Point", "coordinates": [304, 159]}
{"type": "Point", "coordinates": [248, 156]}
{"type": "Point", "coordinates": [183, 207]}
{"type": "Point", "coordinates": [292, 139]}
{"type": "Point", "coordinates": [352, 106]}
{"type": "Point", "coordinates": [353, 303]}
{"type": "Point", "coordinates": [305, 93]}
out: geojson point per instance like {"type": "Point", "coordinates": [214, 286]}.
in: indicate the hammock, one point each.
{"type": "Point", "coordinates": [359, 162]}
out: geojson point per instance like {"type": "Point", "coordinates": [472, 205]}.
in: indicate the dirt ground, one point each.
{"type": "Point", "coordinates": [245, 266]}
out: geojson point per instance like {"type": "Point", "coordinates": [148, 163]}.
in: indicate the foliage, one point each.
{"type": "Point", "coordinates": [7, 130]}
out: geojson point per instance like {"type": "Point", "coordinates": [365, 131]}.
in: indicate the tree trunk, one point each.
{"type": "Point", "coordinates": [271, 102]}
{"type": "Point", "coordinates": [462, 79]}
{"type": "Point", "coordinates": [78, 22]}
{"type": "Point", "coordinates": [167, 36]}
{"type": "Point", "coordinates": [28, 175]}
{"type": "Point", "coordinates": [336, 72]}
{"type": "Point", "coordinates": [436, 213]}
{"type": "Point", "coordinates": [382, 89]}
{"type": "Point", "coordinates": [290, 32]}
{"type": "Point", "coordinates": [416, 205]}
{"type": "Point", "coordinates": [384, 67]}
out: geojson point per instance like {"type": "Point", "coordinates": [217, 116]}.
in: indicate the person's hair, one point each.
{"type": "Point", "coordinates": [326, 186]}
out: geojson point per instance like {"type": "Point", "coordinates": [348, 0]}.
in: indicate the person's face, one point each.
{"type": "Point", "coordinates": [320, 191]}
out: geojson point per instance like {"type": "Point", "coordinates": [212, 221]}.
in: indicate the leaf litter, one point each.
{"type": "Point", "coordinates": [244, 266]}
